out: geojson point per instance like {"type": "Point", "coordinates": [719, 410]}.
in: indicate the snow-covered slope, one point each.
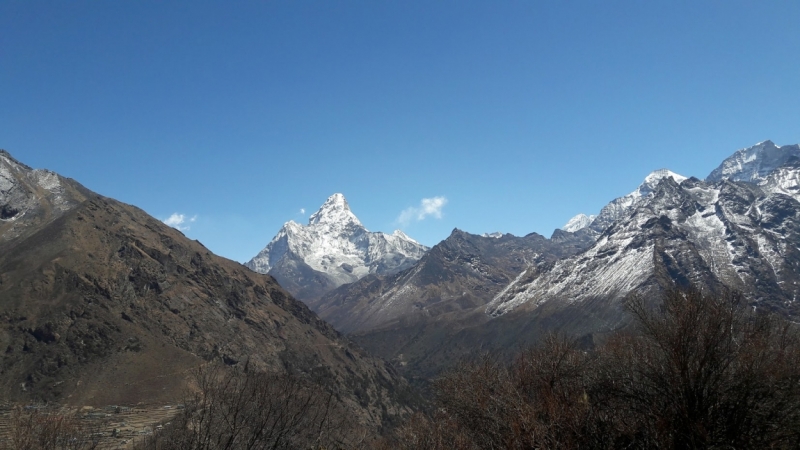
{"type": "Point", "coordinates": [621, 206]}
{"type": "Point", "coordinates": [776, 169]}
{"type": "Point", "coordinates": [723, 233]}
{"type": "Point", "coordinates": [754, 164]}
{"type": "Point", "coordinates": [333, 249]}
{"type": "Point", "coordinates": [784, 180]}
{"type": "Point", "coordinates": [578, 222]}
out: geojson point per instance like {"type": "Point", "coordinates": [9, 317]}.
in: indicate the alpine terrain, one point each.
{"type": "Point", "coordinates": [102, 304]}
{"type": "Point", "coordinates": [737, 229]}
{"type": "Point", "coordinates": [455, 277]}
{"type": "Point", "coordinates": [332, 250]}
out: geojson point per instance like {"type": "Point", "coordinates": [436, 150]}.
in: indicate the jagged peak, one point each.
{"type": "Point", "coordinates": [651, 181]}
{"type": "Point", "coordinates": [664, 173]}
{"type": "Point", "coordinates": [578, 222]}
{"type": "Point", "coordinates": [401, 235]}
{"type": "Point", "coordinates": [10, 160]}
{"type": "Point", "coordinates": [334, 210]}
{"type": "Point", "coordinates": [753, 164]}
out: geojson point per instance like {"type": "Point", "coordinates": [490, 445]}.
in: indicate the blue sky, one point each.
{"type": "Point", "coordinates": [519, 114]}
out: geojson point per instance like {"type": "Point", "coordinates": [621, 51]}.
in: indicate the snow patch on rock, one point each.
{"type": "Point", "coordinates": [578, 222]}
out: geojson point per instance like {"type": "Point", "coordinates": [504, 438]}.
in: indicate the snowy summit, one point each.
{"type": "Point", "coordinates": [754, 164]}
{"type": "Point", "coordinates": [335, 246]}
{"type": "Point", "coordinates": [578, 222]}
{"type": "Point", "coordinates": [621, 205]}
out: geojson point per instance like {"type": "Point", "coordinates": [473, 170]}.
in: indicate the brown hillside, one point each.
{"type": "Point", "coordinates": [104, 304]}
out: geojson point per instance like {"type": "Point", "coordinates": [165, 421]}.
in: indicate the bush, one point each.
{"type": "Point", "coordinates": [700, 371]}
{"type": "Point", "coordinates": [45, 429]}
{"type": "Point", "coordinates": [238, 409]}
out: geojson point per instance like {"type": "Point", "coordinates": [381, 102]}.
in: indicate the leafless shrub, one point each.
{"type": "Point", "coordinates": [701, 371]}
{"type": "Point", "coordinates": [439, 432]}
{"type": "Point", "coordinates": [237, 409]}
{"type": "Point", "coordinates": [42, 429]}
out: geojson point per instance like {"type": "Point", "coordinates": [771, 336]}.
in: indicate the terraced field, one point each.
{"type": "Point", "coordinates": [115, 427]}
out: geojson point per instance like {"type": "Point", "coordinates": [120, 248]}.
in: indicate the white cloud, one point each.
{"type": "Point", "coordinates": [302, 211]}
{"type": "Point", "coordinates": [427, 207]}
{"type": "Point", "coordinates": [180, 221]}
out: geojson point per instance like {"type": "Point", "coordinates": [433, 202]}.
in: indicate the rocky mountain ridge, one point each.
{"type": "Point", "coordinates": [31, 197]}
{"type": "Point", "coordinates": [754, 164]}
{"type": "Point", "coordinates": [671, 230]}
{"type": "Point", "coordinates": [455, 277]}
{"type": "Point", "coordinates": [740, 235]}
{"type": "Point", "coordinates": [332, 250]}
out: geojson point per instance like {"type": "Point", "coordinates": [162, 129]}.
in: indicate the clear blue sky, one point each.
{"type": "Point", "coordinates": [520, 114]}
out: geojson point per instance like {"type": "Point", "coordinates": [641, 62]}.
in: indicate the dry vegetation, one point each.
{"type": "Point", "coordinates": [698, 371]}
{"type": "Point", "coordinates": [702, 371]}
{"type": "Point", "coordinates": [39, 429]}
{"type": "Point", "coordinates": [240, 409]}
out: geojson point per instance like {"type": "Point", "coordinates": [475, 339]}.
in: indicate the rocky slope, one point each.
{"type": "Point", "coordinates": [455, 277]}
{"type": "Point", "coordinates": [739, 235]}
{"type": "Point", "coordinates": [32, 197]}
{"type": "Point", "coordinates": [754, 164]}
{"type": "Point", "coordinates": [716, 234]}
{"type": "Point", "coordinates": [332, 250]}
{"type": "Point", "coordinates": [101, 303]}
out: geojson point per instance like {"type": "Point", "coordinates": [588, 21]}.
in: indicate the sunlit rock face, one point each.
{"type": "Point", "coordinates": [333, 249]}
{"type": "Point", "coordinates": [737, 229]}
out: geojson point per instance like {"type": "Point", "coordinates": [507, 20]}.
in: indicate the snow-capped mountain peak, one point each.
{"type": "Point", "coordinates": [401, 235]}
{"type": "Point", "coordinates": [334, 210]}
{"type": "Point", "coordinates": [578, 222]}
{"type": "Point", "coordinates": [623, 205]}
{"type": "Point", "coordinates": [333, 249]}
{"type": "Point", "coordinates": [655, 177]}
{"type": "Point", "coordinates": [754, 164]}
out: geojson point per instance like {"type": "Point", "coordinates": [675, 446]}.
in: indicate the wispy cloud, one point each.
{"type": "Point", "coordinates": [302, 211]}
{"type": "Point", "coordinates": [427, 207]}
{"type": "Point", "coordinates": [180, 221]}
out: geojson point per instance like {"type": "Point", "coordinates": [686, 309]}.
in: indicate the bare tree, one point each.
{"type": "Point", "coordinates": [43, 429]}
{"type": "Point", "coordinates": [238, 409]}
{"type": "Point", "coordinates": [703, 371]}
{"type": "Point", "coordinates": [697, 371]}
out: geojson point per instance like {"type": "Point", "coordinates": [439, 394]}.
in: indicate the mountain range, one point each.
{"type": "Point", "coordinates": [102, 303]}
{"type": "Point", "coordinates": [737, 229]}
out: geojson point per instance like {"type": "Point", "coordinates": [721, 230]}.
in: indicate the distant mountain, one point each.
{"type": "Point", "coordinates": [455, 277]}
{"type": "Point", "coordinates": [754, 164]}
{"type": "Point", "coordinates": [578, 222]}
{"type": "Point", "coordinates": [332, 250]}
{"type": "Point", "coordinates": [619, 207]}
{"type": "Point", "coordinates": [712, 234]}
{"type": "Point", "coordinates": [716, 235]}
{"type": "Point", "coordinates": [103, 304]}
